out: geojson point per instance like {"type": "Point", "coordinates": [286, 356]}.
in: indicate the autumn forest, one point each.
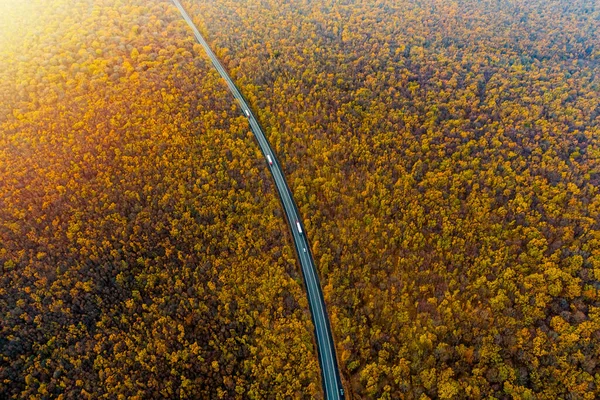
{"type": "Point", "coordinates": [444, 156]}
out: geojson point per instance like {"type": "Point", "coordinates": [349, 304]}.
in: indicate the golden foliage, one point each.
{"type": "Point", "coordinates": [445, 156]}
{"type": "Point", "coordinates": [142, 249]}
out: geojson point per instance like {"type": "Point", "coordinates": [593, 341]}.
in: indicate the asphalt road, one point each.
{"type": "Point", "coordinates": [327, 359]}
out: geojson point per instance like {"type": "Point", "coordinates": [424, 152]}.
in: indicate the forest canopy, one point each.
{"type": "Point", "coordinates": [444, 155]}
{"type": "Point", "coordinates": [143, 253]}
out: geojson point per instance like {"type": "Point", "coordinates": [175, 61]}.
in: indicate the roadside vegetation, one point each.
{"type": "Point", "coordinates": [143, 253]}
{"type": "Point", "coordinates": [445, 157]}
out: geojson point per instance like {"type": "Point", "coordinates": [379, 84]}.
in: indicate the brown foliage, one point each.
{"type": "Point", "coordinates": [446, 157]}
{"type": "Point", "coordinates": [142, 250]}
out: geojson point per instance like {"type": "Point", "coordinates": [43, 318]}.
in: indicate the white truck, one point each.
{"type": "Point", "coordinates": [247, 112]}
{"type": "Point", "coordinates": [269, 160]}
{"type": "Point", "coordinates": [298, 226]}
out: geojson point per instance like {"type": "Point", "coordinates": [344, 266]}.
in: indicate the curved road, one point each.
{"type": "Point", "coordinates": [329, 370]}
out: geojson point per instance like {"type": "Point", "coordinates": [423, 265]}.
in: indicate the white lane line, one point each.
{"type": "Point", "coordinates": [325, 338]}
{"type": "Point", "coordinates": [309, 272]}
{"type": "Point", "coordinates": [328, 359]}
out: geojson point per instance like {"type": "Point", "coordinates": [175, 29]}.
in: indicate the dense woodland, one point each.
{"type": "Point", "coordinates": [143, 253]}
{"type": "Point", "coordinates": [445, 156]}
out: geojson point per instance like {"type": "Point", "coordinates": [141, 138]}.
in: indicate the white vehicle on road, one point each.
{"type": "Point", "coordinates": [269, 160]}
{"type": "Point", "coordinates": [323, 338]}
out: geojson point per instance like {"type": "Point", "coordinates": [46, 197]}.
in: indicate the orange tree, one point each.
{"type": "Point", "coordinates": [446, 158]}
{"type": "Point", "coordinates": [143, 252]}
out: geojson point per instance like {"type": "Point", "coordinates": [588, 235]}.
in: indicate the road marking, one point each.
{"type": "Point", "coordinates": [322, 329]}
